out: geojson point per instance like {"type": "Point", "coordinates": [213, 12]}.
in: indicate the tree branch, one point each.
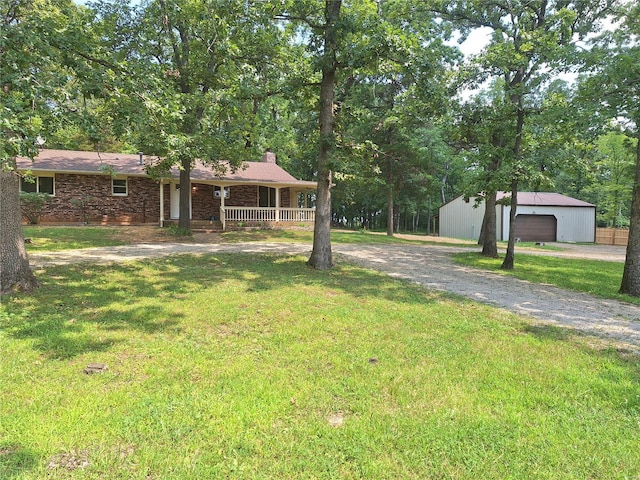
{"type": "Point", "coordinates": [293, 18]}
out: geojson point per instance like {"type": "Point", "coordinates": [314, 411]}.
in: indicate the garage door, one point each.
{"type": "Point", "coordinates": [536, 228]}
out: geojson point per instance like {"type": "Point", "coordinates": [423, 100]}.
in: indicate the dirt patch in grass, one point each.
{"type": "Point", "coordinates": [69, 461]}
{"type": "Point", "coordinates": [155, 234]}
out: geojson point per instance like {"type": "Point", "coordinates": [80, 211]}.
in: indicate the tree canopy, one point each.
{"type": "Point", "coordinates": [372, 99]}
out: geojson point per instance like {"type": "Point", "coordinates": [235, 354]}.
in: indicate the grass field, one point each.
{"type": "Point", "coordinates": [257, 367]}
{"type": "Point", "coordinates": [48, 238]}
{"type": "Point", "coordinates": [596, 277]}
{"type": "Point", "coordinates": [65, 238]}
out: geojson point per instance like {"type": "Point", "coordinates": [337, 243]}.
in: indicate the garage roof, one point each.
{"type": "Point", "coordinates": [545, 199]}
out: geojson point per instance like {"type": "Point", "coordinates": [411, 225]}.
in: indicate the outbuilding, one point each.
{"type": "Point", "coordinates": [541, 217]}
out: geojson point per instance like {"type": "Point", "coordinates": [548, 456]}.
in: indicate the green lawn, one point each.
{"type": "Point", "coordinates": [595, 277]}
{"type": "Point", "coordinates": [337, 236]}
{"type": "Point", "coordinates": [47, 238]}
{"type": "Point", "coordinates": [64, 238]}
{"type": "Point", "coordinates": [257, 367]}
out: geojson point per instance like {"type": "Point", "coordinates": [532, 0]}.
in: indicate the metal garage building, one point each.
{"type": "Point", "coordinates": [541, 217]}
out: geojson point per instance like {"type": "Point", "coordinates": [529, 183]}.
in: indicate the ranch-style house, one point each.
{"type": "Point", "coordinates": [115, 188]}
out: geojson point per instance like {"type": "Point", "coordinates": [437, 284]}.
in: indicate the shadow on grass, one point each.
{"type": "Point", "coordinates": [65, 316]}
{"type": "Point", "coordinates": [567, 334]}
{"type": "Point", "coordinates": [623, 376]}
{"type": "Point", "coordinates": [15, 460]}
{"type": "Point", "coordinates": [83, 308]}
{"type": "Point", "coordinates": [595, 277]}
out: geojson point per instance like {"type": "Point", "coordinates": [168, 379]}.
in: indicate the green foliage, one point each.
{"type": "Point", "coordinates": [613, 70]}
{"type": "Point", "coordinates": [391, 142]}
{"type": "Point", "coordinates": [185, 80]}
{"type": "Point", "coordinates": [529, 43]}
{"type": "Point", "coordinates": [613, 167]}
{"type": "Point", "coordinates": [178, 231]}
{"type": "Point", "coordinates": [75, 137]}
{"type": "Point", "coordinates": [34, 70]}
{"type": "Point", "coordinates": [32, 204]}
{"type": "Point", "coordinates": [614, 80]}
{"type": "Point", "coordinates": [224, 80]}
{"type": "Point", "coordinates": [273, 383]}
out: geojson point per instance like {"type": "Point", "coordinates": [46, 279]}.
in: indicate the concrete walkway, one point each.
{"type": "Point", "coordinates": [428, 265]}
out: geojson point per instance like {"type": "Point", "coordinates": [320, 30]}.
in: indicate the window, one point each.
{"type": "Point", "coordinates": [119, 186]}
{"type": "Point", "coordinates": [267, 197]}
{"type": "Point", "coordinates": [37, 184]}
{"type": "Point", "coordinates": [217, 190]}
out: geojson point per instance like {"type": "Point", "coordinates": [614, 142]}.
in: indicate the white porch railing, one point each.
{"type": "Point", "coordinates": [266, 214]}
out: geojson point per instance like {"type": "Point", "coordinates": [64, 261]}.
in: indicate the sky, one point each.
{"type": "Point", "coordinates": [476, 41]}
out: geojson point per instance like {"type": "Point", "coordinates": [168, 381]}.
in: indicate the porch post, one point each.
{"type": "Point", "coordinates": [278, 204]}
{"type": "Point", "coordinates": [161, 204]}
{"type": "Point", "coordinates": [223, 213]}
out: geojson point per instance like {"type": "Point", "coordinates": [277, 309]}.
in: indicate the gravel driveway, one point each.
{"type": "Point", "coordinates": [432, 267]}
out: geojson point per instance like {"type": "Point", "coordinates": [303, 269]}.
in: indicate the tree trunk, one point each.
{"type": "Point", "coordinates": [509, 258]}
{"type": "Point", "coordinates": [443, 186]}
{"type": "Point", "coordinates": [631, 276]}
{"type": "Point", "coordinates": [489, 244]}
{"type": "Point", "coordinates": [15, 272]}
{"type": "Point", "coordinates": [321, 257]}
{"type": "Point", "coordinates": [390, 211]}
{"type": "Point", "coordinates": [483, 229]}
{"type": "Point", "coordinates": [184, 218]}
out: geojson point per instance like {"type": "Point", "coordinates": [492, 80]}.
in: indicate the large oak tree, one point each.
{"type": "Point", "coordinates": [33, 78]}
{"type": "Point", "coordinates": [530, 42]}
{"type": "Point", "coordinates": [188, 76]}
{"type": "Point", "coordinates": [614, 81]}
{"type": "Point", "coordinates": [332, 34]}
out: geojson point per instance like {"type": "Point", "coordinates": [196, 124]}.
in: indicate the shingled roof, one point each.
{"type": "Point", "coordinates": [68, 161]}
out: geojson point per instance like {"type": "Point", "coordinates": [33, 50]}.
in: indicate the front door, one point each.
{"type": "Point", "coordinates": [175, 201]}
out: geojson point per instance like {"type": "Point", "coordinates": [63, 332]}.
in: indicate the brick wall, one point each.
{"type": "Point", "coordinates": [98, 204]}
{"type": "Point", "coordinates": [242, 196]}
{"type": "Point", "coordinates": [203, 203]}
{"type": "Point", "coordinates": [142, 203]}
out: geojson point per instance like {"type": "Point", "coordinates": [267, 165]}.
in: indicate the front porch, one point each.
{"type": "Point", "coordinates": [218, 206]}
{"type": "Point", "coordinates": [231, 218]}
{"type": "Point", "coordinates": [266, 215]}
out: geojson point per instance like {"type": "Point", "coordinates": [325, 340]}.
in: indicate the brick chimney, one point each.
{"type": "Point", "coordinates": [269, 157]}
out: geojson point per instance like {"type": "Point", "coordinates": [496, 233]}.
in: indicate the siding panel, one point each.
{"type": "Point", "coordinates": [459, 219]}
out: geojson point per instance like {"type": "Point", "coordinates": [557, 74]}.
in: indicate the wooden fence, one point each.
{"type": "Point", "coordinates": [612, 236]}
